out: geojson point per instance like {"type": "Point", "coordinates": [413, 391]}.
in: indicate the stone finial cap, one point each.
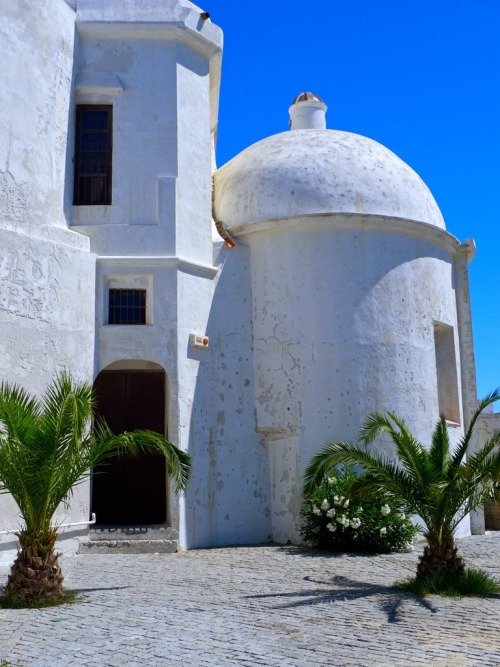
{"type": "Point", "coordinates": [308, 112]}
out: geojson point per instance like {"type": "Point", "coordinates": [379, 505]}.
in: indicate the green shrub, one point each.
{"type": "Point", "coordinates": [336, 519]}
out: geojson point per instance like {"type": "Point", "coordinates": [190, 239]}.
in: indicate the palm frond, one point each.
{"type": "Point", "coordinates": [395, 481]}
{"type": "Point", "coordinates": [18, 412]}
{"type": "Point", "coordinates": [373, 426]}
{"type": "Point", "coordinates": [178, 462]}
{"type": "Point", "coordinates": [461, 450]}
{"type": "Point", "coordinates": [330, 456]}
{"type": "Point", "coordinates": [437, 485]}
{"type": "Point", "coordinates": [380, 473]}
{"type": "Point", "coordinates": [413, 456]}
{"type": "Point", "coordinates": [472, 485]}
{"type": "Point", "coordinates": [440, 454]}
{"type": "Point", "coordinates": [20, 415]}
{"type": "Point", "coordinates": [47, 447]}
{"type": "Point", "coordinates": [67, 410]}
{"type": "Point", "coordinates": [102, 444]}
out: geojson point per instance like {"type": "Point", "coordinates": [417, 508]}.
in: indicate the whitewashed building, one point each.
{"type": "Point", "coordinates": [343, 293]}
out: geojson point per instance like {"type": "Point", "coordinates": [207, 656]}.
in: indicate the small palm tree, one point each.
{"type": "Point", "coordinates": [440, 485]}
{"type": "Point", "coordinates": [46, 448]}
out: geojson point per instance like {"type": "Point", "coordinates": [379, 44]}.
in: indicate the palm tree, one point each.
{"type": "Point", "coordinates": [440, 485]}
{"type": "Point", "coordinates": [47, 447]}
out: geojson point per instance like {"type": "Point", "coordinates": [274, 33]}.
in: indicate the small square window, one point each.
{"type": "Point", "coordinates": [127, 306]}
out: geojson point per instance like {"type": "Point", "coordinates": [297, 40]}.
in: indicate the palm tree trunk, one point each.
{"type": "Point", "coordinates": [440, 557]}
{"type": "Point", "coordinates": [36, 574]}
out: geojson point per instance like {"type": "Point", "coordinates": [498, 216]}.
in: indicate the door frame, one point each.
{"type": "Point", "coordinates": [138, 366]}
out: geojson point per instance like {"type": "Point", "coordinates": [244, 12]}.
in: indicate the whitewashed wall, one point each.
{"type": "Point", "coordinates": [343, 326]}
{"type": "Point", "coordinates": [46, 272]}
{"type": "Point", "coordinates": [228, 500]}
{"type": "Point", "coordinates": [157, 234]}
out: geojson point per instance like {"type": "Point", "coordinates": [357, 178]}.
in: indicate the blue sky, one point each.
{"type": "Point", "coordinates": [419, 76]}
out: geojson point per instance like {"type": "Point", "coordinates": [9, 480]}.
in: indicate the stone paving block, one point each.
{"type": "Point", "coordinates": [271, 606]}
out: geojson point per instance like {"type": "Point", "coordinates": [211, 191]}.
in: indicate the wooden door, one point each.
{"type": "Point", "coordinates": [132, 490]}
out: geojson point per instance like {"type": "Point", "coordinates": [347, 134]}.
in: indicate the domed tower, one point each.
{"type": "Point", "coordinates": [360, 295]}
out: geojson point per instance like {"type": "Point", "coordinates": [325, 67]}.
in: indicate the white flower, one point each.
{"type": "Point", "coordinates": [325, 505]}
{"type": "Point", "coordinates": [383, 531]}
{"type": "Point", "coordinates": [401, 516]}
{"type": "Point", "coordinates": [316, 510]}
{"type": "Point", "coordinates": [337, 501]}
{"type": "Point", "coordinates": [355, 523]}
{"type": "Point", "coordinates": [332, 481]}
{"type": "Point", "coordinates": [360, 509]}
{"type": "Point", "coordinates": [385, 510]}
{"type": "Point", "coordinates": [331, 513]}
{"type": "Point", "coordinates": [340, 519]}
{"type": "Point", "coordinates": [346, 503]}
{"type": "Point", "coordinates": [331, 527]}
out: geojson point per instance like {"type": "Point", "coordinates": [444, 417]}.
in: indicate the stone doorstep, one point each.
{"type": "Point", "coordinates": [132, 533]}
{"type": "Point", "coordinates": [125, 546]}
{"type": "Point", "coordinates": [130, 540]}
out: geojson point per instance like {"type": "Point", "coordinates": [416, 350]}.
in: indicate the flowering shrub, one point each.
{"type": "Point", "coordinates": [334, 519]}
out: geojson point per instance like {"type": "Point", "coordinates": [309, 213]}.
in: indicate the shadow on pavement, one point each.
{"type": "Point", "coordinates": [316, 552]}
{"type": "Point", "coordinates": [99, 588]}
{"type": "Point", "coordinates": [343, 589]}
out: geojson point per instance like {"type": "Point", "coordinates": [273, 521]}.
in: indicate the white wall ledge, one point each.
{"type": "Point", "coordinates": [356, 221]}
{"type": "Point", "coordinates": [98, 82]}
{"type": "Point", "coordinates": [171, 261]}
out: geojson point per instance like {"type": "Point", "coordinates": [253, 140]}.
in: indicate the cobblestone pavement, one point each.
{"type": "Point", "coordinates": [269, 605]}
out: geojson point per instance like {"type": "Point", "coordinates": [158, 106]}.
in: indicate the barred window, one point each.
{"type": "Point", "coordinates": [127, 306]}
{"type": "Point", "coordinates": [93, 153]}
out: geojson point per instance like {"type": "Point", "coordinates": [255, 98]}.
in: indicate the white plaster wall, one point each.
{"type": "Point", "coordinates": [211, 409]}
{"type": "Point", "coordinates": [47, 274]}
{"type": "Point", "coordinates": [343, 325]}
{"type": "Point", "coordinates": [46, 324]}
{"type": "Point", "coordinates": [162, 120]}
{"type": "Point", "coordinates": [488, 426]}
{"type": "Point", "coordinates": [142, 345]}
{"type": "Point", "coordinates": [228, 500]}
{"type": "Point", "coordinates": [47, 310]}
{"type": "Point", "coordinates": [157, 234]}
{"type": "Point", "coordinates": [37, 59]}
{"type": "Point", "coordinates": [155, 341]}
{"type": "Point", "coordinates": [144, 146]}
{"type": "Point", "coordinates": [468, 376]}
{"type": "Point", "coordinates": [194, 184]}
{"type": "Point", "coordinates": [135, 10]}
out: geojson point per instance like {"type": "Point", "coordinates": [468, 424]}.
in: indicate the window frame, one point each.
{"type": "Point", "coordinates": [84, 197]}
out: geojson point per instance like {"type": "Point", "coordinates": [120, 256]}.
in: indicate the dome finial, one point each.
{"type": "Point", "coordinates": [308, 112]}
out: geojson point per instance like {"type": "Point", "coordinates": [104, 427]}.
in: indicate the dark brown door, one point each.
{"type": "Point", "coordinates": [132, 490]}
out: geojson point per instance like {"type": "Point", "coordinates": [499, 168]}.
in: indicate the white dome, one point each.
{"type": "Point", "coordinates": [307, 172]}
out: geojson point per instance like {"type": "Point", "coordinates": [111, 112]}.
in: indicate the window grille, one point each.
{"type": "Point", "coordinates": [127, 306]}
